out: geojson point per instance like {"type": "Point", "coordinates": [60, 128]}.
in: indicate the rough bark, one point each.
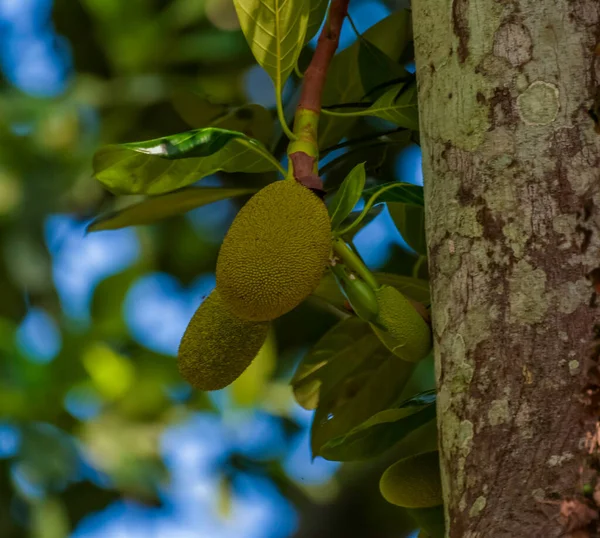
{"type": "Point", "coordinates": [511, 162]}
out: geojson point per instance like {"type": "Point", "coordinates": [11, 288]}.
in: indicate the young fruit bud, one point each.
{"type": "Point", "coordinates": [413, 482]}
{"type": "Point", "coordinates": [275, 252]}
{"type": "Point", "coordinates": [217, 346]}
{"type": "Point", "coordinates": [400, 327]}
{"type": "Point", "coordinates": [360, 295]}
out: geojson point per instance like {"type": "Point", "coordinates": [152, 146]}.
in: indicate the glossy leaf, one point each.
{"type": "Point", "coordinates": [275, 31]}
{"type": "Point", "coordinates": [410, 221]}
{"type": "Point", "coordinates": [318, 8]}
{"type": "Point", "coordinates": [345, 84]}
{"type": "Point", "coordinates": [397, 105]}
{"type": "Point", "coordinates": [347, 196]}
{"type": "Point", "coordinates": [414, 288]}
{"type": "Point", "coordinates": [161, 207]}
{"type": "Point", "coordinates": [253, 120]}
{"type": "Point", "coordinates": [169, 163]}
{"type": "Point", "coordinates": [405, 193]}
{"type": "Point", "coordinates": [382, 431]}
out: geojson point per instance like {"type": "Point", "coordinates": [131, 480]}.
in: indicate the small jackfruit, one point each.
{"type": "Point", "coordinates": [413, 482]}
{"type": "Point", "coordinates": [217, 346]}
{"type": "Point", "coordinates": [275, 252]}
{"type": "Point", "coordinates": [400, 327]}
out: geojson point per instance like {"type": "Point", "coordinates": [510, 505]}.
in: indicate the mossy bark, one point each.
{"type": "Point", "coordinates": [511, 160]}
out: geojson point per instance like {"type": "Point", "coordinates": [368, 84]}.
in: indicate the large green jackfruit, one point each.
{"type": "Point", "coordinates": [400, 327]}
{"type": "Point", "coordinates": [217, 346]}
{"type": "Point", "coordinates": [413, 482]}
{"type": "Point", "coordinates": [275, 252]}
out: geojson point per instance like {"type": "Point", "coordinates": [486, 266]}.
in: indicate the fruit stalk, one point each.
{"type": "Point", "coordinates": [304, 151]}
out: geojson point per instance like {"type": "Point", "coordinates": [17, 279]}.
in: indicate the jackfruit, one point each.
{"type": "Point", "coordinates": [400, 327]}
{"type": "Point", "coordinates": [275, 252]}
{"type": "Point", "coordinates": [217, 346]}
{"type": "Point", "coordinates": [413, 482]}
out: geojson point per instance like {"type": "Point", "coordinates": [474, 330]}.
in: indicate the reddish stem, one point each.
{"type": "Point", "coordinates": [316, 73]}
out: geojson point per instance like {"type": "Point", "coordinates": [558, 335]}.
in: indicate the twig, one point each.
{"type": "Point", "coordinates": [316, 73]}
{"type": "Point", "coordinates": [303, 152]}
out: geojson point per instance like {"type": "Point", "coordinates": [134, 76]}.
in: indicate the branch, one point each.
{"type": "Point", "coordinates": [316, 73]}
{"type": "Point", "coordinates": [304, 151]}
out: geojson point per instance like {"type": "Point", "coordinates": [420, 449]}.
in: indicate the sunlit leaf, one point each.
{"type": "Point", "coordinates": [398, 105]}
{"type": "Point", "coordinates": [405, 193]}
{"type": "Point", "coordinates": [247, 389]}
{"type": "Point", "coordinates": [161, 207]}
{"type": "Point", "coordinates": [49, 518]}
{"type": "Point", "coordinates": [345, 84]}
{"type": "Point", "coordinates": [347, 196]}
{"type": "Point", "coordinates": [382, 430]}
{"type": "Point", "coordinates": [410, 221]}
{"type": "Point", "coordinates": [111, 373]}
{"type": "Point", "coordinates": [275, 31]}
{"type": "Point", "coordinates": [169, 163]}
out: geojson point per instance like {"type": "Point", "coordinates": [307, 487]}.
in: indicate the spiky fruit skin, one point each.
{"type": "Point", "coordinates": [400, 327]}
{"type": "Point", "coordinates": [217, 346]}
{"type": "Point", "coordinates": [275, 252]}
{"type": "Point", "coordinates": [413, 482]}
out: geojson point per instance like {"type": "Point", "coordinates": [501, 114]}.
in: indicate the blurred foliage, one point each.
{"type": "Point", "coordinates": [87, 418]}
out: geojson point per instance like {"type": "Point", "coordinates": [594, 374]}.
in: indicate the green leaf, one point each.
{"type": "Point", "coordinates": [382, 430]}
{"type": "Point", "coordinates": [318, 8]}
{"type": "Point", "coordinates": [405, 193]}
{"type": "Point", "coordinates": [410, 221]}
{"type": "Point", "coordinates": [275, 31]}
{"type": "Point", "coordinates": [347, 196]}
{"type": "Point", "coordinates": [169, 163]}
{"type": "Point", "coordinates": [372, 386]}
{"type": "Point", "coordinates": [373, 150]}
{"type": "Point", "coordinates": [313, 371]}
{"type": "Point", "coordinates": [161, 207]}
{"type": "Point", "coordinates": [397, 105]}
{"type": "Point", "coordinates": [253, 120]}
{"type": "Point", "coordinates": [377, 70]}
{"type": "Point", "coordinates": [414, 288]}
{"type": "Point", "coordinates": [348, 376]}
{"type": "Point", "coordinates": [367, 219]}
{"type": "Point", "coordinates": [345, 84]}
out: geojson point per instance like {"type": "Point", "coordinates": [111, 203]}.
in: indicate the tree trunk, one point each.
{"type": "Point", "coordinates": [511, 161]}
